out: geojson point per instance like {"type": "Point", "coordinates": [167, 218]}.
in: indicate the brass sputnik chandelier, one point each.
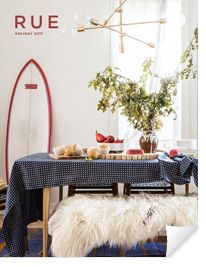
{"type": "Point", "coordinates": [106, 25]}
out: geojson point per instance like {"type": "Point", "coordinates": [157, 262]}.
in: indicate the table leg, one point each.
{"type": "Point", "coordinates": [172, 188]}
{"type": "Point", "coordinates": [60, 193]}
{"type": "Point", "coordinates": [115, 189]}
{"type": "Point", "coordinates": [127, 189]}
{"type": "Point", "coordinates": [187, 188]}
{"type": "Point", "coordinates": [46, 202]}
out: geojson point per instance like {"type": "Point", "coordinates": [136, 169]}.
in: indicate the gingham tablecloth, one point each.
{"type": "Point", "coordinates": [179, 170]}
{"type": "Point", "coordinates": [32, 173]}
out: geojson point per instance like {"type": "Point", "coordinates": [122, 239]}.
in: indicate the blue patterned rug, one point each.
{"type": "Point", "coordinates": [149, 249]}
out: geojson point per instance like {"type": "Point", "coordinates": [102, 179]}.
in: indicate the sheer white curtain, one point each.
{"type": "Point", "coordinates": [166, 54]}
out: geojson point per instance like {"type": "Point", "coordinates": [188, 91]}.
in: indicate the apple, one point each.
{"type": "Point", "coordinates": [174, 152]}
{"type": "Point", "coordinates": [135, 151]}
{"type": "Point", "coordinates": [93, 153]}
{"type": "Point", "coordinates": [69, 151]}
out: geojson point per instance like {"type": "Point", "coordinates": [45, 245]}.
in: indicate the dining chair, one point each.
{"type": "Point", "coordinates": [89, 189]}
{"type": "Point", "coordinates": [160, 187]}
{"type": "Point", "coordinates": [93, 189]}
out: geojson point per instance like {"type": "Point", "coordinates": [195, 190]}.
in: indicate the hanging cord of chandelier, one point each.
{"type": "Point", "coordinates": [116, 10]}
{"type": "Point", "coordinates": [97, 23]}
{"type": "Point", "coordinates": [121, 28]}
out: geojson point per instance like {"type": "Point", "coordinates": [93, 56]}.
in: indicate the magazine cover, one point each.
{"type": "Point", "coordinates": [98, 137]}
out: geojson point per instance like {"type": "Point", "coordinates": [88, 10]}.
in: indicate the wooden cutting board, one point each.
{"type": "Point", "coordinates": [111, 156]}
{"type": "Point", "coordinates": [53, 156]}
{"type": "Point", "coordinates": [121, 156]}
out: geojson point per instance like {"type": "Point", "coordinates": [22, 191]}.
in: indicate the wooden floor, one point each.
{"type": "Point", "coordinates": [1, 219]}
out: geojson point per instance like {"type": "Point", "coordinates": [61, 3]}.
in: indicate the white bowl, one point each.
{"type": "Point", "coordinates": [103, 150]}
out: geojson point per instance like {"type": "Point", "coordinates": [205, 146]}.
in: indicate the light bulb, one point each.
{"type": "Point", "coordinates": [89, 18]}
{"type": "Point", "coordinates": [81, 18]}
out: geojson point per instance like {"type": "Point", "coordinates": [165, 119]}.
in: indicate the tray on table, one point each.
{"type": "Point", "coordinates": [110, 156]}
{"type": "Point", "coordinates": [121, 156]}
{"type": "Point", "coordinates": [54, 156]}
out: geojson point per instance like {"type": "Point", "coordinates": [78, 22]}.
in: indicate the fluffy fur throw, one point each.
{"type": "Point", "coordinates": [82, 223]}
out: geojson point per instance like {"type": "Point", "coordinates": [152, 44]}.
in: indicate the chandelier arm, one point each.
{"type": "Point", "coordinates": [141, 41]}
{"type": "Point", "coordinates": [116, 10]}
{"type": "Point", "coordinates": [161, 21]}
{"type": "Point", "coordinates": [124, 34]}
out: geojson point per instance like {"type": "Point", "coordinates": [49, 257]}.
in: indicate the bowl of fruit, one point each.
{"type": "Point", "coordinates": [115, 145]}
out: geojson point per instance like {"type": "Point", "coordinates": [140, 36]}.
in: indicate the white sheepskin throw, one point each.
{"type": "Point", "coordinates": [81, 223]}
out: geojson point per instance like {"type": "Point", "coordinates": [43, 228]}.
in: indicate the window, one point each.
{"type": "Point", "coordinates": [166, 54]}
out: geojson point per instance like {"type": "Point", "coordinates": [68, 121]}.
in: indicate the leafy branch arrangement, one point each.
{"type": "Point", "coordinates": [143, 109]}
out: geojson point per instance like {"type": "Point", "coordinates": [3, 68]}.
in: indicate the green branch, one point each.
{"type": "Point", "coordinates": [144, 110]}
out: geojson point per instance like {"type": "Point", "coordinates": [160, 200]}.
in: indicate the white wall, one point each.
{"type": "Point", "coordinates": [68, 60]}
{"type": "Point", "coordinates": [189, 87]}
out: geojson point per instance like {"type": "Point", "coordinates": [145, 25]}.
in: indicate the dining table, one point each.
{"type": "Point", "coordinates": [33, 176]}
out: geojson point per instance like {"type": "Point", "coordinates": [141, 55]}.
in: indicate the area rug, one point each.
{"type": "Point", "coordinates": [149, 249]}
{"type": "Point", "coordinates": [35, 244]}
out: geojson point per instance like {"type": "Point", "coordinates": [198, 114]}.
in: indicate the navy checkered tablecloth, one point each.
{"type": "Point", "coordinates": [179, 170]}
{"type": "Point", "coordinates": [32, 173]}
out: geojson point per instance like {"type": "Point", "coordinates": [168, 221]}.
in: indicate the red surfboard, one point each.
{"type": "Point", "coordinates": [29, 124]}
